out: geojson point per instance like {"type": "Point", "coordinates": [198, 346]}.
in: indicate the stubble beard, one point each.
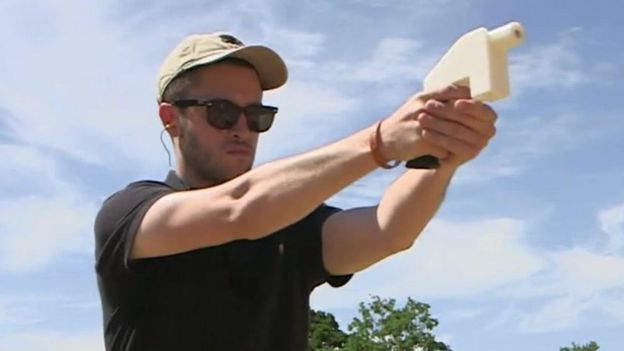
{"type": "Point", "coordinates": [204, 165]}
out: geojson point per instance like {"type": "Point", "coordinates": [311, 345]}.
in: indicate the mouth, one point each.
{"type": "Point", "coordinates": [238, 150]}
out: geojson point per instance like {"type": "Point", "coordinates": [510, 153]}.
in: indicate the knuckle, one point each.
{"type": "Point", "coordinates": [482, 144]}
{"type": "Point", "coordinates": [492, 132]}
{"type": "Point", "coordinates": [432, 104]}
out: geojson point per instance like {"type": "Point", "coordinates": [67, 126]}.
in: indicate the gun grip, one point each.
{"type": "Point", "coordinates": [424, 162]}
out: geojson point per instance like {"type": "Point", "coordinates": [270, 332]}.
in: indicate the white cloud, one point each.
{"type": "Point", "coordinates": [29, 309]}
{"type": "Point", "coordinates": [545, 291]}
{"type": "Point", "coordinates": [449, 260]}
{"type": "Point", "coordinates": [463, 314]}
{"type": "Point", "coordinates": [52, 341]}
{"type": "Point", "coordinates": [36, 230]}
{"type": "Point", "coordinates": [522, 140]}
{"type": "Point", "coordinates": [423, 6]}
{"type": "Point", "coordinates": [560, 314]}
{"type": "Point", "coordinates": [612, 224]}
{"type": "Point", "coordinates": [15, 313]}
{"type": "Point", "coordinates": [393, 59]}
{"type": "Point", "coordinates": [554, 65]}
{"type": "Point", "coordinates": [478, 256]}
{"type": "Point", "coordinates": [569, 312]}
{"type": "Point", "coordinates": [579, 287]}
{"type": "Point", "coordinates": [45, 218]}
{"type": "Point", "coordinates": [580, 272]}
{"type": "Point", "coordinates": [507, 315]}
{"type": "Point", "coordinates": [572, 312]}
{"type": "Point", "coordinates": [302, 46]}
{"type": "Point", "coordinates": [86, 96]}
{"type": "Point", "coordinates": [612, 307]}
{"type": "Point", "coordinates": [27, 169]}
{"type": "Point", "coordinates": [3, 314]}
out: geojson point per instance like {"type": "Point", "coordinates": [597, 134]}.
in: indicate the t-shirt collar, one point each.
{"type": "Point", "coordinates": [175, 182]}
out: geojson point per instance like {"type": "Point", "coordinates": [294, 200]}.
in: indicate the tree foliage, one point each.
{"type": "Point", "coordinates": [590, 346]}
{"type": "Point", "coordinates": [384, 327]}
{"type": "Point", "coordinates": [381, 326]}
{"type": "Point", "coordinates": [325, 334]}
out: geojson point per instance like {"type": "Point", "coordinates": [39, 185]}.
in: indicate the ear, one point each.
{"type": "Point", "coordinates": [168, 118]}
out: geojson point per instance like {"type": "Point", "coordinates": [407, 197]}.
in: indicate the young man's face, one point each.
{"type": "Point", "coordinates": [213, 156]}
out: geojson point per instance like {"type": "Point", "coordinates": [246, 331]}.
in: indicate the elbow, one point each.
{"type": "Point", "coordinates": [400, 242]}
{"type": "Point", "coordinates": [402, 245]}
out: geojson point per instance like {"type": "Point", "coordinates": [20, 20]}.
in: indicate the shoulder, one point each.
{"type": "Point", "coordinates": [129, 201]}
{"type": "Point", "coordinates": [137, 191]}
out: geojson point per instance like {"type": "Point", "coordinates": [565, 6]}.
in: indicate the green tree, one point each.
{"type": "Point", "coordinates": [590, 346]}
{"type": "Point", "coordinates": [324, 332]}
{"type": "Point", "coordinates": [383, 327]}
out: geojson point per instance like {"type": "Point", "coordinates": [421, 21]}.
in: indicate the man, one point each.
{"type": "Point", "coordinates": [220, 256]}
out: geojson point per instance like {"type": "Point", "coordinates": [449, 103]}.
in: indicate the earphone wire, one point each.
{"type": "Point", "coordinates": [165, 146]}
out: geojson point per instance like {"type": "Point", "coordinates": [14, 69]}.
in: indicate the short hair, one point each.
{"type": "Point", "coordinates": [179, 87]}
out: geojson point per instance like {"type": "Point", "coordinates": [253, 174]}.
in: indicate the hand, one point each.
{"type": "Point", "coordinates": [463, 127]}
{"type": "Point", "coordinates": [403, 134]}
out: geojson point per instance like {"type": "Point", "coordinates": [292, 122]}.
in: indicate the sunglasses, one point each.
{"type": "Point", "coordinates": [223, 114]}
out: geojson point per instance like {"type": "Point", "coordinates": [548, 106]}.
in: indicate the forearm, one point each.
{"type": "Point", "coordinates": [281, 192]}
{"type": "Point", "coordinates": [255, 204]}
{"type": "Point", "coordinates": [410, 203]}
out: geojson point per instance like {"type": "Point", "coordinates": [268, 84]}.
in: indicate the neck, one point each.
{"type": "Point", "coordinates": [191, 179]}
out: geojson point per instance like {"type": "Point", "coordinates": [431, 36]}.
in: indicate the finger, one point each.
{"type": "Point", "coordinates": [450, 92]}
{"type": "Point", "coordinates": [452, 129]}
{"type": "Point", "coordinates": [449, 112]}
{"type": "Point", "coordinates": [476, 109]}
{"type": "Point", "coordinates": [454, 146]}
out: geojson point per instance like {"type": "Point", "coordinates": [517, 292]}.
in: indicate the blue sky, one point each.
{"type": "Point", "coordinates": [527, 252]}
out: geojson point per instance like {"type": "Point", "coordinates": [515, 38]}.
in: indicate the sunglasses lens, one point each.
{"type": "Point", "coordinates": [222, 114]}
{"type": "Point", "coordinates": [259, 118]}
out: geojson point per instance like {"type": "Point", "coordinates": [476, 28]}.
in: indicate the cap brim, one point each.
{"type": "Point", "coordinates": [269, 65]}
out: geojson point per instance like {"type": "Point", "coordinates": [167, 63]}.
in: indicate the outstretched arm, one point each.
{"type": "Point", "coordinates": [278, 193]}
{"type": "Point", "coordinates": [357, 238]}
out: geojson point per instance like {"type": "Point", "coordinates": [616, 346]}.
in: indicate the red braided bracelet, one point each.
{"type": "Point", "coordinates": [375, 142]}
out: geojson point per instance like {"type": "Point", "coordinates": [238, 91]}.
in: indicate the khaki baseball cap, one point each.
{"type": "Point", "coordinates": [201, 49]}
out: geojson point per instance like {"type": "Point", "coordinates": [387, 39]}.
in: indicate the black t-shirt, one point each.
{"type": "Point", "coordinates": [243, 295]}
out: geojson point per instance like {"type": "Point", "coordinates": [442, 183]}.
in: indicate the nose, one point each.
{"type": "Point", "coordinates": [240, 129]}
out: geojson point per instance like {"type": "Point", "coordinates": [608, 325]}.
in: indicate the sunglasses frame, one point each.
{"type": "Point", "coordinates": [252, 120]}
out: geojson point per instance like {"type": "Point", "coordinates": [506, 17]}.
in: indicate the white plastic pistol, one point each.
{"type": "Point", "coordinates": [478, 60]}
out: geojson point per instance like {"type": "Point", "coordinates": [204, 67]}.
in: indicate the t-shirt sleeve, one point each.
{"type": "Point", "coordinates": [312, 249]}
{"type": "Point", "coordinates": [117, 222]}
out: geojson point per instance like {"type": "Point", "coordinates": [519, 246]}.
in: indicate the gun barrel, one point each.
{"type": "Point", "coordinates": [507, 36]}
